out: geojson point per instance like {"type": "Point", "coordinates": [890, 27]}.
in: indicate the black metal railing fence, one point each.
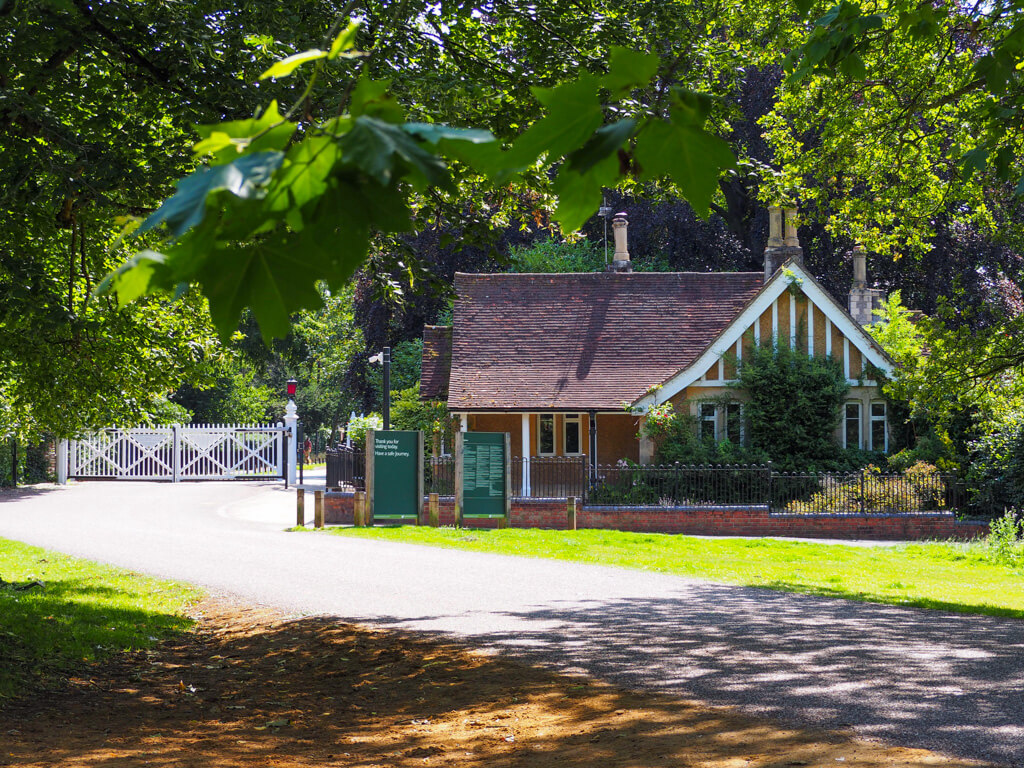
{"type": "Point", "coordinates": [439, 475]}
{"type": "Point", "coordinates": [630, 484]}
{"type": "Point", "coordinates": [346, 467]}
{"type": "Point", "coordinates": [865, 492]}
{"type": "Point", "coordinates": [550, 477]}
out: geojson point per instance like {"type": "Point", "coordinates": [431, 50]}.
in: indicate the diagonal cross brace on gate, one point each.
{"type": "Point", "coordinates": [189, 452]}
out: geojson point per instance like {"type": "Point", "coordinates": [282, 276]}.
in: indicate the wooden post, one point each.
{"type": "Point", "coordinates": [570, 514]}
{"type": "Point", "coordinates": [420, 447]}
{"type": "Point", "coordinates": [318, 509]}
{"type": "Point", "coordinates": [371, 439]}
{"type": "Point", "coordinates": [300, 507]}
{"type": "Point", "coordinates": [434, 511]}
{"type": "Point", "coordinates": [506, 521]}
{"type": "Point", "coordinates": [359, 509]}
{"type": "Point", "coordinates": [459, 469]}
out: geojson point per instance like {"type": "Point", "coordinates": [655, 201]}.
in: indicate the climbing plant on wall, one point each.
{"type": "Point", "coordinates": [794, 406]}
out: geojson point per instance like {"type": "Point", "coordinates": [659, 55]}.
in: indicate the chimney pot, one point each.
{"type": "Point", "coordinates": [860, 267]}
{"type": "Point", "coordinates": [621, 261]}
{"type": "Point", "coordinates": [774, 226]}
{"type": "Point", "coordinates": [863, 300]}
{"type": "Point", "coordinates": [792, 240]}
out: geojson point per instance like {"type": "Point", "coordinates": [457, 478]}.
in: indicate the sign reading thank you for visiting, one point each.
{"type": "Point", "coordinates": [394, 474]}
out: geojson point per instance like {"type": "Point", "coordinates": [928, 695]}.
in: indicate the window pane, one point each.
{"type": "Point", "coordinates": [546, 435]}
{"type": "Point", "coordinates": [877, 435]}
{"type": "Point", "coordinates": [708, 414]}
{"type": "Point", "coordinates": [853, 425]}
{"type": "Point", "coordinates": [572, 435]}
{"type": "Point", "coordinates": [732, 423]}
{"type": "Point", "coordinates": [878, 410]}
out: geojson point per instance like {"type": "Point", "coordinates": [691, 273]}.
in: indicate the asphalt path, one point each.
{"type": "Point", "coordinates": [942, 681]}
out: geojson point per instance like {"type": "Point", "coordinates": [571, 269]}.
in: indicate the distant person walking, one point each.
{"type": "Point", "coordinates": [307, 448]}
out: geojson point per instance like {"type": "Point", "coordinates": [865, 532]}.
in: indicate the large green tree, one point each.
{"type": "Point", "coordinates": [900, 123]}
{"type": "Point", "coordinates": [97, 104]}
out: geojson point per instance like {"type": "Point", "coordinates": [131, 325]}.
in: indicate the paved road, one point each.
{"type": "Point", "coordinates": [917, 678]}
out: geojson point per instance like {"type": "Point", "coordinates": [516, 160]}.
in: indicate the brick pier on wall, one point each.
{"type": "Point", "coordinates": [711, 521]}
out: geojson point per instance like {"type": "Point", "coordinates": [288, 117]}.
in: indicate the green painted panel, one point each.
{"type": "Point", "coordinates": [483, 474]}
{"type": "Point", "coordinates": [396, 461]}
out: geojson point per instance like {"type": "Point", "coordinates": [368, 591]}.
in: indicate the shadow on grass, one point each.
{"type": "Point", "coordinates": [908, 601]}
{"type": "Point", "coordinates": [51, 631]}
{"type": "Point", "coordinates": [312, 691]}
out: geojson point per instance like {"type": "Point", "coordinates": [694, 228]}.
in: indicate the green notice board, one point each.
{"type": "Point", "coordinates": [482, 464]}
{"type": "Point", "coordinates": [394, 474]}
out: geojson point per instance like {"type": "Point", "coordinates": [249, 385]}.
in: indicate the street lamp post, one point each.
{"type": "Point", "coordinates": [385, 358]}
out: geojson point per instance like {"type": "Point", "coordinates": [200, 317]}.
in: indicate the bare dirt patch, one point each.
{"type": "Point", "coordinates": [252, 687]}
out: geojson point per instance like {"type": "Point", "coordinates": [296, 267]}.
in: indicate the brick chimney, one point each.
{"type": "Point", "coordinates": [863, 300]}
{"type": "Point", "coordinates": [783, 242]}
{"type": "Point", "coordinates": [620, 261]}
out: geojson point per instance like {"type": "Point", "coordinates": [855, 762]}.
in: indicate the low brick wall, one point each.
{"type": "Point", "coordinates": [759, 521]}
{"type": "Point", "coordinates": [339, 509]}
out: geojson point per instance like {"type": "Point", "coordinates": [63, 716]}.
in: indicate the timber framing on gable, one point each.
{"type": "Point", "coordinates": [791, 276]}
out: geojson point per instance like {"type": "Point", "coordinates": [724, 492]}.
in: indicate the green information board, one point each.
{"type": "Point", "coordinates": [394, 474]}
{"type": "Point", "coordinates": [482, 486]}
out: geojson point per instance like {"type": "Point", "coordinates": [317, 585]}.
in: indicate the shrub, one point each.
{"type": "Point", "coordinates": [1005, 541]}
{"type": "Point", "coordinates": [918, 489]}
{"type": "Point", "coordinates": [996, 475]}
{"type": "Point", "coordinates": [626, 484]}
{"type": "Point", "coordinates": [793, 407]}
{"type": "Point", "coordinates": [675, 437]}
{"type": "Point", "coordinates": [358, 427]}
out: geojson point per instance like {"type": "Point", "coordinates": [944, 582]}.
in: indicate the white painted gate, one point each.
{"type": "Point", "coordinates": [189, 452]}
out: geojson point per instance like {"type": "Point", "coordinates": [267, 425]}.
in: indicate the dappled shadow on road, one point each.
{"type": "Point", "coordinates": [22, 492]}
{"type": "Point", "coordinates": [254, 689]}
{"type": "Point", "coordinates": [919, 678]}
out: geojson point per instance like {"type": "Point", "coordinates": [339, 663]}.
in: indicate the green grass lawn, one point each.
{"type": "Point", "coordinates": [83, 612]}
{"type": "Point", "coordinates": [950, 576]}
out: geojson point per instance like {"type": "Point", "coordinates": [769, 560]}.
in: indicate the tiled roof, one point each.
{"type": "Point", "coordinates": [437, 362]}
{"type": "Point", "coordinates": [581, 341]}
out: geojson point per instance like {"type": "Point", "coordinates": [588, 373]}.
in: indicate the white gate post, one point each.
{"type": "Point", "coordinates": [291, 425]}
{"type": "Point", "coordinates": [62, 462]}
{"type": "Point", "coordinates": [176, 455]}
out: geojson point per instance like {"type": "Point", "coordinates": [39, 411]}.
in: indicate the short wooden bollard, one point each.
{"type": "Point", "coordinates": [300, 507]}
{"type": "Point", "coordinates": [318, 509]}
{"type": "Point", "coordinates": [434, 510]}
{"type": "Point", "coordinates": [359, 509]}
{"type": "Point", "coordinates": [570, 514]}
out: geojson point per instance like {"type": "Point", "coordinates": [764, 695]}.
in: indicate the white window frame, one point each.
{"type": "Point", "coordinates": [860, 423]}
{"type": "Point", "coordinates": [540, 430]}
{"type": "Point", "coordinates": [567, 419]}
{"type": "Point", "coordinates": [884, 419]}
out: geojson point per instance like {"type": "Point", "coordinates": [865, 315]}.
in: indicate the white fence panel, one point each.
{"type": "Point", "coordinates": [189, 452]}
